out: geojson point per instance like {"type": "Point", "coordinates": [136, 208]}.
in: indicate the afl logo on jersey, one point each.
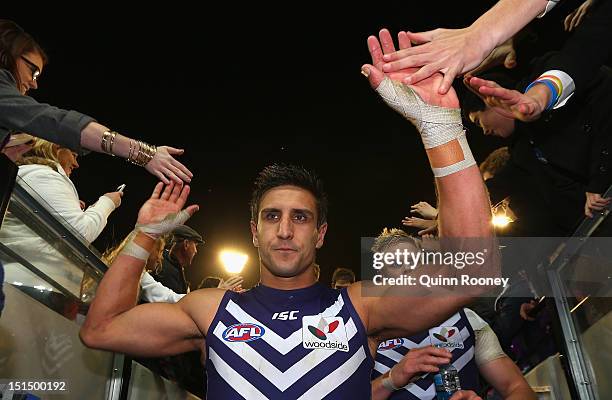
{"type": "Point", "coordinates": [243, 333]}
{"type": "Point", "coordinates": [390, 344]}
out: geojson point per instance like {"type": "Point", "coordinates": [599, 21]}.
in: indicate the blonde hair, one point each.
{"type": "Point", "coordinates": [389, 237]}
{"type": "Point", "coordinates": [111, 253]}
{"type": "Point", "coordinates": [43, 149]}
{"type": "Point", "coordinates": [43, 153]}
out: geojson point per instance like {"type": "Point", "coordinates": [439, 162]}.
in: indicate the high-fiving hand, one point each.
{"type": "Point", "coordinates": [427, 88]}
{"type": "Point", "coordinates": [161, 213]}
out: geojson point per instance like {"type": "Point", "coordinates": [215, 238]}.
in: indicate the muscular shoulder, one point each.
{"type": "Point", "coordinates": [201, 305]}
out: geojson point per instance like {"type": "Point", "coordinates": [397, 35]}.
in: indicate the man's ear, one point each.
{"type": "Point", "coordinates": [254, 234]}
{"type": "Point", "coordinates": [321, 235]}
{"type": "Point", "coordinates": [185, 244]}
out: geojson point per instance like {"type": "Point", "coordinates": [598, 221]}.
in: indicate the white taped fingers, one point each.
{"type": "Point", "coordinates": [468, 160]}
{"type": "Point", "coordinates": [164, 226]}
{"type": "Point", "coordinates": [437, 125]}
{"type": "Point", "coordinates": [134, 250]}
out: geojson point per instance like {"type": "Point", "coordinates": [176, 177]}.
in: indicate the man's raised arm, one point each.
{"type": "Point", "coordinates": [114, 322]}
{"type": "Point", "coordinates": [464, 209]}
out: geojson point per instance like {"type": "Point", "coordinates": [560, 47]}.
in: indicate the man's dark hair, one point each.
{"type": "Point", "coordinates": [282, 174]}
{"type": "Point", "coordinates": [343, 274]}
{"type": "Point", "coordinates": [495, 161]}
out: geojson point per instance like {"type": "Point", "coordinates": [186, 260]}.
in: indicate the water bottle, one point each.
{"type": "Point", "coordinates": [446, 382]}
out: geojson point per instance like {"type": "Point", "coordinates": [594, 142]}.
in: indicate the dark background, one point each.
{"type": "Point", "coordinates": [239, 88]}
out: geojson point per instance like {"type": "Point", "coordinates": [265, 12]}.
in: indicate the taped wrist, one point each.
{"type": "Point", "coordinates": [441, 128]}
{"type": "Point", "coordinates": [167, 225]}
{"type": "Point", "coordinates": [134, 250]}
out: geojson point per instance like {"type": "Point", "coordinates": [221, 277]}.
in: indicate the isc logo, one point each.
{"type": "Point", "coordinates": [243, 333]}
{"type": "Point", "coordinates": [390, 344]}
{"type": "Point", "coordinates": [285, 315]}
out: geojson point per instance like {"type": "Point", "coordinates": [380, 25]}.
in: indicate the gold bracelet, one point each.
{"type": "Point", "coordinates": [104, 142]}
{"type": "Point", "coordinates": [131, 151]}
{"type": "Point", "coordinates": [146, 152]}
{"type": "Point", "coordinates": [113, 134]}
{"type": "Point", "coordinates": [108, 141]}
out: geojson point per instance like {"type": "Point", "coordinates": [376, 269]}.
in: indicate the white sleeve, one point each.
{"type": "Point", "coordinates": [155, 292]}
{"type": "Point", "coordinates": [567, 86]}
{"type": "Point", "coordinates": [549, 6]}
{"type": "Point", "coordinates": [60, 196]}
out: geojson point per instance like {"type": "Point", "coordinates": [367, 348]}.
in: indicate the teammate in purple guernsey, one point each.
{"type": "Point", "coordinates": [404, 368]}
{"type": "Point", "coordinates": [289, 337]}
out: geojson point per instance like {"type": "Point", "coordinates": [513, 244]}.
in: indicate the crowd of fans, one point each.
{"type": "Point", "coordinates": [552, 173]}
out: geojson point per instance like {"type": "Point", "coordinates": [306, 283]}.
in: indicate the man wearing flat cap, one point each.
{"type": "Point", "coordinates": [183, 247]}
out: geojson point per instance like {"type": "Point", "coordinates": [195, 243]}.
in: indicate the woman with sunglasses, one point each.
{"type": "Point", "coordinates": [22, 61]}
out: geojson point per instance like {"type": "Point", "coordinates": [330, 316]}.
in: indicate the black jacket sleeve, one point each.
{"type": "Point", "coordinates": [19, 113]}
{"type": "Point", "coordinates": [587, 49]}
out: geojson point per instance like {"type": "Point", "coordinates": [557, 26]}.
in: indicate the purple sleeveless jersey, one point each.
{"type": "Point", "coordinates": [288, 344]}
{"type": "Point", "coordinates": [455, 334]}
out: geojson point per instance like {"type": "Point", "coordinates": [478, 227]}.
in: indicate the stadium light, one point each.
{"type": "Point", "coordinates": [233, 261]}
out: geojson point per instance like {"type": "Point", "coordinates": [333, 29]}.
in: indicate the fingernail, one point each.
{"type": "Point", "coordinates": [386, 57]}
{"type": "Point", "coordinates": [365, 72]}
{"type": "Point", "coordinates": [386, 67]}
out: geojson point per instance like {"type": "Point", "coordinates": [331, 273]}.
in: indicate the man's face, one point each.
{"type": "Point", "coordinates": [191, 250]}
{"type": "Point", "coordinates": [29, 68]}
{"type": "Point", "coordinates": [493, 123]}
{"type": "Point", "coordinates": [286, 232]}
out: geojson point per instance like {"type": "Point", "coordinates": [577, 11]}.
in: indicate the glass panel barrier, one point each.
{"type": "Point", "coordinates": [587, 290]}
{"type": "Point", "coordinates": [51, 275]}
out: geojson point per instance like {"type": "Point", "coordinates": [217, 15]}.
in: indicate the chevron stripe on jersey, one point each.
{"type": "Point", "coordinates": [423, 389]}
{"type": "Point", "coordinates": [272, 363]}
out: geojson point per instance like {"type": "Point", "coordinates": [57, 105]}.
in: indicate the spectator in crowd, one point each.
{"type": "Point", "coordinates": [183, 248]}
{"type": "Point", "coordinates": [151, 290]}
{"type": "Point", "coordinates": [495, 162]}
{"type": "Point", "coordinates": [233, 283]}
{"type": "Point", "coordinates": [458, 51]}
{"type": "Point", "coordinates": [22, 62]}
{"type": "Point", "coordinates": [559, 165]}
{"type": "Point", "coordinates": [342, 277]}
{"type": "Point", "coordinates": [17, 145]}
{"type": "Point", "coordinates": [426, 225]}
{"type": "Point", "coordinates": [46, 169]}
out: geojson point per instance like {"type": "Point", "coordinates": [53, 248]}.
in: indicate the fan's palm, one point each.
{"type": "Point", "coordinates": [427, 89]}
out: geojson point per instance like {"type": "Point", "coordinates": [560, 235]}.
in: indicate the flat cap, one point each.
{"type": "Point", "coordinates": [185, 232]}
